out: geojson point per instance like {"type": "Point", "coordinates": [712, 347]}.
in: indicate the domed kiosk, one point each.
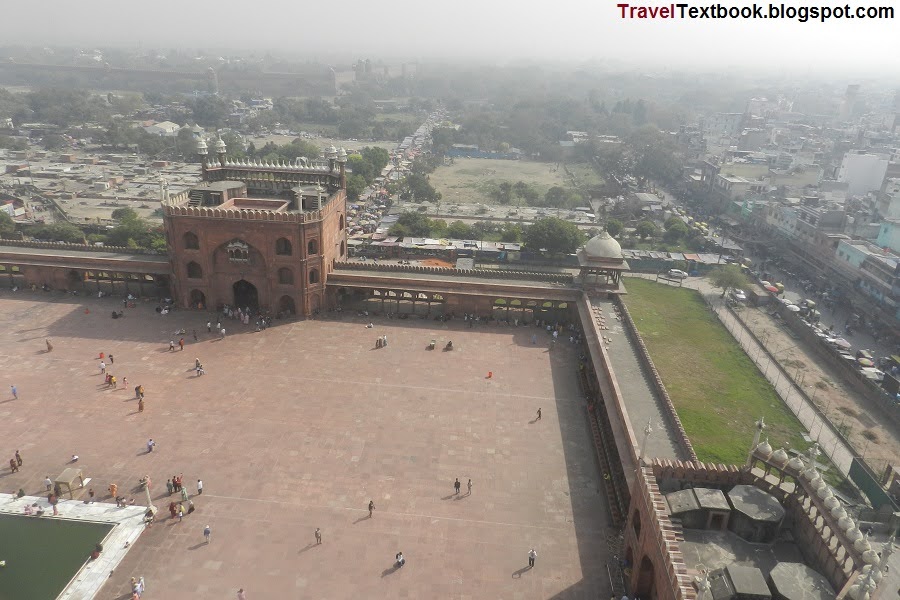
{"type": "Point", "coordinates": [602, 263]}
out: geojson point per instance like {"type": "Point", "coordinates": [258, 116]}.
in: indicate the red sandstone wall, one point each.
{"type": "Point", "coordinates": [261, 231]}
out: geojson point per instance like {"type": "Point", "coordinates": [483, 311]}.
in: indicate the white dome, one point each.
{"type": "Point", "coordinates": [831, 503]}
{"type": "Point", "coordinates": [846, 523]}
{"type": "Point", "coordinates": [824, 492]}
{"type": "Point", "coordinates": [877, 575]}
{"type": "Point", "coordinates": [862, 544]}
{"type": "Point", "coordinates": [838, 512]}
{"type": "Point", "coordinates": [854, 534]}
{"type": "Point", "coordinates": [870, 557]}
{"type": "Point", "coordinates": [765, 449]}
{"type": "Point", "coordinates": [810, 473]}
{"type": "Point", "coordinates": [795, 463]}
{"type": "Point", "coordinates": [603, 246]}
{"type": "Point", "coordinates": [220, 146]}
{"type": "Point", "coordinates": [780, 457]}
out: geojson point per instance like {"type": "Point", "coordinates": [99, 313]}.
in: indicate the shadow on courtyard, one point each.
{"type": "Point", "coordinates": [590, 513]}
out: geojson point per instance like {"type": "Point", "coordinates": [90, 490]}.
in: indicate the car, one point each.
{"type": "Point", "coordinates": [677, 273]}
{"type": "Point", "coordinates": [739, 295]}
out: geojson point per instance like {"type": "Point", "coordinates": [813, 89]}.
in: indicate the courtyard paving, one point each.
{"type": "Point", "coordinates": [298, 427]}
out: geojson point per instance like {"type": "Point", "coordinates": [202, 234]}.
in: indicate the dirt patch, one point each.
{"type": "Point", "coordinates": [435, 262]}
{"type": "Point", "coordinates": [870, 435]}
{"type": "Point", "coordinates": [851, 412]}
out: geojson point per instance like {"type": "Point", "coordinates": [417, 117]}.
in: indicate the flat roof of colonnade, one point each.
{"type": "Point", "coordinates": [67, 257]}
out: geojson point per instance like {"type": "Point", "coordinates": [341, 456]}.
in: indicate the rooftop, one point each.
{"type": "Point", "coordinates": [755, 503]}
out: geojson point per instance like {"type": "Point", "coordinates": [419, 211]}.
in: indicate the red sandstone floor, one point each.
{"type": "Point", "coordinates": [297, 428]}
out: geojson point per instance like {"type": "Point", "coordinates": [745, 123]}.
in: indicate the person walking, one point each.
{"type": "Point", "coordinates": [208, 327]}
{"type": "Point", "coordinates": [532, 556]}
{"type": "Point", "coordinates": [150, 445]}
{"type": "Point", "coordinates": [469, 486]}
{"type": "Point", "coordinates": [222, 334]}
{"type": "Point", "coordinates": [49, 346]}
{"type": "Point", "coordinates": [18, 458]}
{"type": "Point", "coordinates": [184, 494]}
{"type": "Point", "coordinates": [48, 482]}
{"type": "Point", "coordinates": [113, 490]}
{"type": "Point", "coordinates": [171, 345]}
{"type": "Point", "coordinates": [102, 368]}
{"type": "Point", "coordinates": [456, 485]}
{"type": "Point", "coordinates": [180, 512]}
{"type": "Point", "coordinates": [15, 392]}
{"type": "Point", "coordinates": [241, 594]}
{"type": "Point", "coordinates": [169, 486]}
{"type": "Point", "coordinates": [371, 508]}
{"type": "Point", "coordinates": [400, 559]}
{"type": "Point", "coordinates": [318, 536]}
{"type": "Point", "coordinates": [141, 404]}
{"type": "Point", "coordinates": [206, 533]}
{"type": "Point", "coordinates": [111, 359]}
{"type": "Point", "coordinates": [181, 344]}
{"type": "Point", "coordinates": [199, 487]}
{"type": "Point", "coordinates": [538, 415]}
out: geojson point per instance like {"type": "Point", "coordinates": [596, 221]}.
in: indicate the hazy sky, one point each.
{"type": "Point", "coordinates": [486, 29]}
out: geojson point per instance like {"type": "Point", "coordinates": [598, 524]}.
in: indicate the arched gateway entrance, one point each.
{"type": "Point", "coordinates": [245, 295]}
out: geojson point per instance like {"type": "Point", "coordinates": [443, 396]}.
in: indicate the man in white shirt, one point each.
{"type": "Point", "coordinates": [532, 555]}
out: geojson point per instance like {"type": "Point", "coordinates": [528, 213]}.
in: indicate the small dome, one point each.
{"type": "Point", "coordinates": [764, 449]}
{"type": "Point", "coordinates": [877, 575]}
{"type": "Point", "coordinates": [201, 146]}
{"type": "Point", "coordinates": [854, 534]}
{"type": "Point", "coordinates": [220, 146]}
{"type": "Point", "coordinates": [603, 246]}
{"type": "Point", "coordinates": [331, 152]}
{"type": "Point", "coordinates": [810, 473]}
{"type": "Point", "coordinates": [862, 544]}
{"type": "Point", "coordinates": [870, 557]}
{"type": "Point", "coordinates": [795, 464]}
{"type": "Point", "coordinates": [780, 457]}
{"type": "Point", "coordinates": [831, 503]}
{"type": "Point", "coordinates": [824, 492]}
{"type": "Point", "coordinates": [846, 523]}
{"type": "Point", "coordinates": [838, 512]}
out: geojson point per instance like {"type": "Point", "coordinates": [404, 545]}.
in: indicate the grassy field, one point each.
{"type": "Point", "coordinates": [585, 175]}
{"type": "Point", "coordinates": [717, 390]}
{"type": "Point", "coordinates": [470, 180]}
{"type": "Point", "coordinates": [43, 554]}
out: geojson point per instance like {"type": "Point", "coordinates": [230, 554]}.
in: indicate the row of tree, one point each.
{"type": "Point", "coordinates": [130, 231]}
{"type": "Point", "coordinates": [550, 235]}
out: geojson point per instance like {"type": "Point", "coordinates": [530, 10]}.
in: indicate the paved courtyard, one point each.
{"type": "Point", "coordinates": [298, 427]}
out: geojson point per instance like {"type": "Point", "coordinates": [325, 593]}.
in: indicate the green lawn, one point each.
{"type": "Point", "coordinates": [717, 390]}
{"type": "Point", "coordinates": [42, 554]}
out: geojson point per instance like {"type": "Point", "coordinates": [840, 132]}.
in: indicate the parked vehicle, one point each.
{"type": "Point", "coordinates": [677, 274]}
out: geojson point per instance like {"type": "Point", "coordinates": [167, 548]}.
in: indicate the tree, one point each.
{"type": "Point", "coordinates": [675, 232]}
{"type": "Point", "coordinates": [727, 277]}
{"type": "Point", "coordinates": [355, 186]}
{"type": "Point", "coordinates": [556, 198]}
{"type": "Point", "coordinates": [58, 232]}
{"type": "Point", "coordinates": [510, 233]}
{"type": "Point", "coordinates": [553, 236]}
{"type": "Point", "coordinates": [360, 166]}
{"type": "Point", "coordinates": [377, 157]}
{"type": "Point", "coordinates": [614, 227]}
{"type": "Point", "coordinates": [412, 224]}
{"type": "Point", "coordinates": [457, 230]}
{"type": "Point", "coordinates": [646, 229]}
{"type": "Point", "coordinates": [124, 214]}
{"type": "Point", "coordinates": [7, 225]}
